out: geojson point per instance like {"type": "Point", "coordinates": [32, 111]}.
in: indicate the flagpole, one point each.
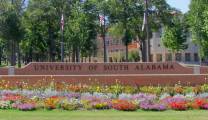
{"type": "Point", "coordinates": [62, 47]}
{"type": "Point", "coordinates": [62, 38]}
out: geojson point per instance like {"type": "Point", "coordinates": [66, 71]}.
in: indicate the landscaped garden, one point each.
{"type": "Point", "coordinates": [57, 96]}
{"type": "Point", "coordinates": [91, 102]}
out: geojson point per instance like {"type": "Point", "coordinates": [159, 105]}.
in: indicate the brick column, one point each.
{"type": "Point", "coordinates": [11, 70]}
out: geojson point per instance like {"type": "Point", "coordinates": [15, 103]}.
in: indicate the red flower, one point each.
{"type": "Point", "coordinates": [124, 105]}
{"type": "Point", "coordinates": [179, 105]}
{"type": "Point", "coordinates": [12, 97]}
{"type": "Point", "coordinates": [200, 102]}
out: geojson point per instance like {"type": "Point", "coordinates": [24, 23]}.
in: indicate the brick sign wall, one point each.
{"type": "Point", "coordinates": [169, 73]}
{"type": "Point", "coordinates": [102, 68]}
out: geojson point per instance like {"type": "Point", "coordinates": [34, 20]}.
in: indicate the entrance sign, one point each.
{"type": "Point", "coordinates": [135, 74]}
{"type": "Point", "coordinates": [103, 68]}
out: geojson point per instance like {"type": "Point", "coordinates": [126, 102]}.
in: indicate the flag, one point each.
{"type": "Point", "coordinates": [144, 21]}
{"type": "Point", "coordinates": [102, 19]}
{"type": "Point", "coordinates": [62, 22]}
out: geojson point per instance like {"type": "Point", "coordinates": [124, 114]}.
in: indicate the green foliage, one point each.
{"type": "Point", "coordinates": [197, 19]}
{"type": "Point", "coordinates": [87, 105]}
{"type": "Point", "coordinates": [134, 56]}
{"type": "Point", "coordinates": [71, 104]}
{"type": "Point", "coordinates": [81, 28]}
{"type": "Point", "coordinates": [175, 35]}
{"type": "Point", "coordinates": [5, 105]}
{"type": "Point", "coordinates": [151, 89]}
{"type": "Point", "coordinates": [35, 28]}
{"type": "Point", "coordinates": [11, 28]}
{"type": "Point", "coordinates": [101, 105]}
{"type": "Point", "coordinates": [126, 18]}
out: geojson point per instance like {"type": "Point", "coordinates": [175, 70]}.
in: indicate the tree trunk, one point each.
{"type": "Point", "coordinates": [90, 60]}
{"type": "Point", "coordinates": [13, 60]}
{"type": "Point", "coordinates": [82, 59]}
{"type": "Point", "coordinates": [18, 55]}
{"type": "Point", "coordinates": [52, 44]}
{"type": "Point", "coordinates": [1, 55]}
{"type": "Point", "coordinates": [69, 56]}
{"type": "Point", "coordinates": [30, 56]}
{"type": "Point", "coordinates": [127, 52]}
{"type": "Point", "coordinates": [85, 59]}
{"type": "Point", "coordinates": [73, 54]}
{"type": "Point", "coordinates": [143, 51]}
{"type": "Point", "coordinates": [77, 54]}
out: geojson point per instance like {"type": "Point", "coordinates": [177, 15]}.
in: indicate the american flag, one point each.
{"type": "Point", "coordinates": [102, 19]}
{"type": "Point", "coordinates": [62, 22]}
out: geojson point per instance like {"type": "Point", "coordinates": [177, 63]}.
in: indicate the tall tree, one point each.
{"type": "Point", "coordinates": [42, 21]}
{"type": "Point", "coordinates": [175, 35]}
{"type": "Point", "coordinates": [11, 28]}
{"type": "Point", "coordinates": [126, 19]}
{"type": "Point", "coordinates": [81, 29]}
{"type": "Point", "coordinates": [1, 50]}
{"type": "Point", "coordinates": [121, 16]}
{"type": "Point", "coordinates": [197, 18]}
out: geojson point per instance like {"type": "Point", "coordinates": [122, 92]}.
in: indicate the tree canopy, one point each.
{"type": "Point", "coordinates": [30, 30]}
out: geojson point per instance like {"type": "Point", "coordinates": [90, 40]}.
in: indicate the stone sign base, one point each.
{"type": "Point", "coordinates": [132, 79]}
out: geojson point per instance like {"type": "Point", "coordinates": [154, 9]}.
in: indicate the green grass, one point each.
{"type": "Point", "coordinates": [102, 115]}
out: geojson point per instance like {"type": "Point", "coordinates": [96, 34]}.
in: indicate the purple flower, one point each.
{"type": "Point", "coordinates": [144, 97]}
{"type": "Point", "coordinates": [205, 106]}
{"type": "Point", "coordinates": [73, 95]}
{"type": "Point", "coordinates": [146, 105]}
{"type": "Point", "coordinates": [26, 106]}
{"type": "Point", "coordinates": [169, 100]}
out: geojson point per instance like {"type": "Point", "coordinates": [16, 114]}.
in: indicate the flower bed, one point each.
{"type": "Point", "coordinates": [123, 98]}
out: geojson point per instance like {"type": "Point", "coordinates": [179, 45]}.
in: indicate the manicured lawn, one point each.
{"type": "Point", "coordinates": [102, 115]}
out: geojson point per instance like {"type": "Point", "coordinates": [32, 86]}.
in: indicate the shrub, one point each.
{"type": "Point", "coordinates": [204, 88]}
{"type": "Point", "coordinates": [124, 105]}
{"type": "Point", "coordinates": [72, 104]}
{"type": "Point", "coordinates": [152, 106]}
{"type": "Point", "coordinates": [26, 107]}
{"type": "Point", "coordinates": [52, 102]}
{"type": "Point", "coordinates": [87, 104]}
{"type": "Point", "coordinates": [197, 89]}
{"type": "Point", "coordinates": [5, 104]}
{"type": "Point", "coordinates": [205, 106]}
{"type": "Point", "coordinates": [177, 99]}
{"type": "Point", "coordinates": [100, 105]}
{"type": "Point", "coordinates": [12, 97]}
{"type": "Point", "coordinates": [201, 103]}
{"type": "Point", "coordinates": [129, 89]}
{"type": "Point", "coordinates": [179, 105]}
{"type": "Point", "coordinates": [178, 89]}
{"type": "Point", "coordinates": [143, 97]}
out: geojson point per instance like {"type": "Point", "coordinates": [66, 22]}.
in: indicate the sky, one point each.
{"type": "Point", "coordinates": [182, 5]}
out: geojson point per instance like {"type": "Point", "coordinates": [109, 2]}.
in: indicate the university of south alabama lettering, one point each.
{"type": "Point", "coordinates": [57, 67]}
{"type": "Point", "coordinates": [155, 67]}
{"type": "Point", "coordinates": [105, 68]}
